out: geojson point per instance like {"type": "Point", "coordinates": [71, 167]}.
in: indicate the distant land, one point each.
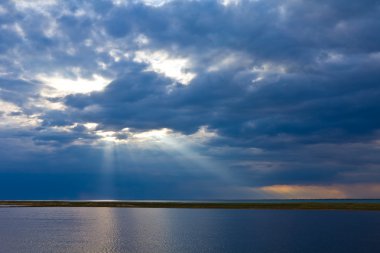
{"type": "Point", "coordinates": [291, 205]}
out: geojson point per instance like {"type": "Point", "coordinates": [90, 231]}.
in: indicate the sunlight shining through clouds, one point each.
{"type": "Point", "coordinates": [161, 62]}
{"type": "Point", "coordinates": [77, 85]}
{"type": "Point", "coordinates": [189, 98]}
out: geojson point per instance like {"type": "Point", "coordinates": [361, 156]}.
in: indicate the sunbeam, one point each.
{"type": "Point", "coordinates": [108, 169]}
{"type": "Point", "coordinates": [162, 146]}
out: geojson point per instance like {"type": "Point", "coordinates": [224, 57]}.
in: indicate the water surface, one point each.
{"type": "Point", "coordinates": [187, 230]}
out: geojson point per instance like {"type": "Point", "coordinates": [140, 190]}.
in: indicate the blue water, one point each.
{"type": "Point", "coordinates": [187, 230]}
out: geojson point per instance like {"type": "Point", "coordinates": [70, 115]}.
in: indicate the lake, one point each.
{"type": "Point", "coordinates": [187, 230]}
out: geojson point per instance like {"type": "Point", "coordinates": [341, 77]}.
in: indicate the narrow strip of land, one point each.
{"type": "Point", "coordinates": [218, 205]}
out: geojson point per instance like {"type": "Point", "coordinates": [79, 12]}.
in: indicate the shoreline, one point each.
{"type": "Point", "coordinates": [200, 205]}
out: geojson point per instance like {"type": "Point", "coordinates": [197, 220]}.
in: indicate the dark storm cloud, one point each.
{"type": "Point", "coordinates": [288, 31]}
{"type": "Point", "coordinates": [315, 94]}
{"type": "Point", "coordinates": [297, 82]}
{"type": "Point", "coordinates": [311, 108]}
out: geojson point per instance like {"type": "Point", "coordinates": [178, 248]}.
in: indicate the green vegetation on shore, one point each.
{"type": "Point", "coordinates": [222, 205]}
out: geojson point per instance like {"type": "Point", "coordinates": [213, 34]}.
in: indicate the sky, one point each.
{"type": "Point", "coordinates": [191, 99]}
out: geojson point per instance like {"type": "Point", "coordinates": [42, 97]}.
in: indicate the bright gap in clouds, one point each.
{"type": "Point", "coordinates": [161, 62]}
{"type": "Point", "coordinates": [148, 137]}
{"type": "Point", "coordinates": [228, 2]}
{"type": "Point", "coordinates": [71, 86]}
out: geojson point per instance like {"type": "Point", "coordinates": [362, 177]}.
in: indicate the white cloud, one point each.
{"type": "Point", "coordinates": [15, 27]}
{"type": "Point", "coordinates": [156, 3]}
{"type": "Point", "coordinates": [161, 62]}
{"type": "Point", "coordinates": [6, 107]}
{"type": "Point", "coordinates": [66, 86]}
{"type": "Point", "coordinates": [3, 10]}
{"type": "Point", "coordinates": [141, 40]}
{"type": "Point", "coordinates": [229, 2]}
{"type": "Point", "coordinates": [45, 104]}
{"type": "Point", "coordinates": [36, 5]}
{"type": "Point", "coordinates": [90, 125]}
{"type": "Point", "coordinates": [12, 117]}
{"type": "Point", "coordinates": [265, 72]}
{"type": "Point", "coordinates": [203, 134]}
{"type": "Point", "coordinates": [152, 136]}
{"type": "Point", "coordinates": [229, 60]}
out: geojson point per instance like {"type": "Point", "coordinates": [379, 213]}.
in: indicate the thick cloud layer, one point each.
{"type": "Point", "coordinates": [264, 98]}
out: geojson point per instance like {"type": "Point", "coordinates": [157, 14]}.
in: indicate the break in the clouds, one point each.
{"type": "Point", "coordinates": [189, 99]}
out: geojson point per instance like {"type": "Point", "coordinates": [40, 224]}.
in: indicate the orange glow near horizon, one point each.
{"type": "Point", "coordinates": [337, 191]}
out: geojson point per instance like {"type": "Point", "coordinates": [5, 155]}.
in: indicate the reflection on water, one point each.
{"type": "Point", "coordinates": [186, 230]}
